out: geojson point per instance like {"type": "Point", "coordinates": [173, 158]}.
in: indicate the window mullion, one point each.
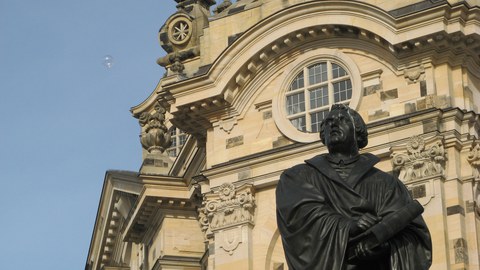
{"type": "Point", "coordinates": [317, 70]}
{"type": "Point", "coordinates": [307, 98]}
{"type": "Point", "coordinates": [307, 110]}
{"type": "Point", "coordinates": [331, 100]}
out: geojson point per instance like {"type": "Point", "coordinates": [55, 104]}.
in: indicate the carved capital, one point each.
{"type": "Point", "coordinates": [155, 136]}
{"type": "Point", "coordinates": [419, 158]}
{"type": "Point", "coordinates": [227, 206]}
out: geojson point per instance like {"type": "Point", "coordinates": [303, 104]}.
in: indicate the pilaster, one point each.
{"type": "Point", "coordinates": [227, 218]}
{"type": "Point", "coordinates": [472, 209]}
{"type": "Point", "coordinates": [420, 163]}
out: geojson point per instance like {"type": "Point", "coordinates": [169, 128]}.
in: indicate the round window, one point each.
{"type": "Point", "coordinates": [309, 87]}
{"type": "Point", "coordinates": [313, 91]}
{"type": "Point", "coordinates": [179, 30]}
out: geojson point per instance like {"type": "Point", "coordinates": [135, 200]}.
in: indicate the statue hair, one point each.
{"type": "Point", "coordinates": [361, 133]}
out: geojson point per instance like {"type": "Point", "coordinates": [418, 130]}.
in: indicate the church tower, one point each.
{"type": "Point", "coordinates": [246, 86]}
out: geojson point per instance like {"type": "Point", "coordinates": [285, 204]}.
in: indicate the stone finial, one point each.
{"type": "Point", "coordinates": [419, 161]}
{"type": "Point", "coordinates": [155, 137]}
{"type": "Point", "coordinates": [228, 206]}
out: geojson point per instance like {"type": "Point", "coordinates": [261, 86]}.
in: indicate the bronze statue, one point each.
{"type": "Point", "coordinates": [338, 212]}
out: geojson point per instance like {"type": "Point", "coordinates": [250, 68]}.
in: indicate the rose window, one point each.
{"type": "Point", "coordinates": [181, 30]}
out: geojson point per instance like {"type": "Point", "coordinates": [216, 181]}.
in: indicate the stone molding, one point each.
{"type": "Point", "coordinates": [419, 158]}
{"type": "Point", "coordinates": [227, 206]}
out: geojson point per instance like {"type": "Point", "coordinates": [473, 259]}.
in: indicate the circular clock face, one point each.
{"type": "Point", "coordinates": [180, 30]}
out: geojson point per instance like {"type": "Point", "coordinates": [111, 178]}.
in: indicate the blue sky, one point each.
{"type": "Point", "coordinates": [65, 117]}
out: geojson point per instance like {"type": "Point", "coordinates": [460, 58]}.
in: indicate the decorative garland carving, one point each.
{"type": "Point", "coordinates": [227, 207]}
{"type": "Point", "coordinates": [155, 136]}
{"type": "Point", "coordinates": [419, 161]}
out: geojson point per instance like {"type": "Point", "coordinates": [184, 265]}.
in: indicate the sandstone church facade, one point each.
{"type": "Point", "coordinates": [247, 84]}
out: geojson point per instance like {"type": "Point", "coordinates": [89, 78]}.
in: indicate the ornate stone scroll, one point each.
{"type": "Point", "coordinates": [228, 206]}
{"type": "Point", "coordinates": [419, 158]}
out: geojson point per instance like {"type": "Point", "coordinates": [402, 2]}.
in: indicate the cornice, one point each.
{"type": "Point", "coordinates": [221, 88]}
{"type": "Point", "coordinates": [116, 183]}
{"type": "Point", "coordinates": [304, 149]}
{"type": "Point", "coordinates": [160, 195]}
{"type": "Point", "coordinates": [147, 104]}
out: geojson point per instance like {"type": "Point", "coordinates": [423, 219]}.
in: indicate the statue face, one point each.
{"type": "Point", "coordinates": [339, 129]}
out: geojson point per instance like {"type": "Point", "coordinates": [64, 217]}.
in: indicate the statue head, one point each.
{"type": "Point", "coordinates": [344, 126]}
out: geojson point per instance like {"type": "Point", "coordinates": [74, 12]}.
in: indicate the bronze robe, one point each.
{"type": "Point", "coordinates": [316, 208]}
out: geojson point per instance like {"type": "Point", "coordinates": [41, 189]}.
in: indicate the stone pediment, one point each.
{"type": "Point", "coordinates": [160, 195]}
{"type": "Point", "coordinates": [119, 192]}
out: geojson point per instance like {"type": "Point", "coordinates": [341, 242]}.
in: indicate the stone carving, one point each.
{"type": "Point", "coordinates": [228, 206]}
{"type": "Point", "coordinates": [181, 33]}
{"type": "Point", "coordinates": [461, 251]}
{"type": "Point", "coordinates": [177, 66]}
{"type": "Point", "coordinates": [155, 137]}
{"type": "Point", "coordinates": [224, 5]}
{"type": "Point", "coordinates": [227, 124]}
{"type": "Point", "coordinates": [419, 161]}
{"type": "Point", "coordinates": [474, 159]}
{"type": "Point", "coordinates": [413, 75]}
{"type": "Point", "coordinates": [229, 240]}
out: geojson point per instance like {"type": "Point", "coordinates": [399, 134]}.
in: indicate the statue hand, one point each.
{"type": "Point", "coordinates": [365, 222]}
{"type": "Point", "coordinates": [362, 252]}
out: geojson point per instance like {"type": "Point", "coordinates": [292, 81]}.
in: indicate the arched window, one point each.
{"type": "Point", "coordinates": [313, 91]}
{"type": "Point", "coordinates": [307, 89]}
